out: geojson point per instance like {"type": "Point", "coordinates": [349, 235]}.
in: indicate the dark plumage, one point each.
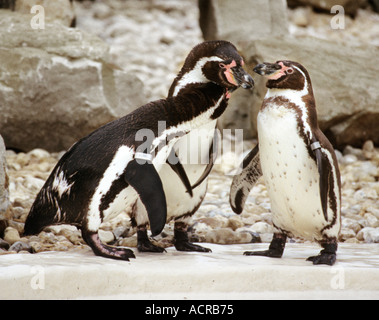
{"type": "Point", "coordinates": [113, 169]}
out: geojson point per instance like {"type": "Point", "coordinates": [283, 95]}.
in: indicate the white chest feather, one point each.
{"type": "Point", "coordinates": [290, 174]}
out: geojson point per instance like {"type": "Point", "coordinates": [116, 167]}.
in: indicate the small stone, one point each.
{"type": "Point", "coordinates": [368, 149]}
{"type": "Point", "coordinates": [349, 150]}
{"type": "Point", "coordinates": [261, 227]}
{"type": "Point", "coordinates": [128, 242]}
{"type": "Point", "coordinates": [369, 235]}
{"type": "Point", "coordinates": [215, 222]}
{"type": "Point", "coordinates": [301, 16]}
{"type": "Point", "coordinates": [346, 234]}
{"type": "Point", "coordinates": [106, 236]}
{"type": "Point", "coordinates": [349, 158]}
{"type": "Point", "coordinates": [121, 232]}
{"type": "Point", "coordinates": [372, 221]}
{"type": "Point", "coordinates": [39, 154]}
{"type": "Point", "coordinates": [21, 246]}
{"type": "Point", "coordinates": [235, 222]}
{"type": "Point", "coordinates": [351, 224]}
{"type": "Point", "coordinates": [11, 235]}
{"type": "Point", "coordinates": [37, 246]}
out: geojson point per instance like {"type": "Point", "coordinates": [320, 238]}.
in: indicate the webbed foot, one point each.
{"type": "Point", "coordinates": [327, 256]}
{"type": "Point", "coordinates": [188, 246]}
{"type": "Point", "coordinates": [265, 253]}
{"type": "Point", "coordinates": [100, 249]}
{"type": "Point", "coordinates": [324, 258]}
{"type": "Point", "coordinates": [182, 242]}
{"type": "Point", "coordinates": [144, 244]}
{"type": "Point", "coordinates": [275, 249]}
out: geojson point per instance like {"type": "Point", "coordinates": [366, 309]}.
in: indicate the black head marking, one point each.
{"type": "Point", "coordinates": [213, 61]}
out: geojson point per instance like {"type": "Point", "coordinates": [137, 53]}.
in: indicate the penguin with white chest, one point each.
{"type": "Point", "coordinates": [114, 168]}
{"type": "Point", "coordinates": [297, 162]}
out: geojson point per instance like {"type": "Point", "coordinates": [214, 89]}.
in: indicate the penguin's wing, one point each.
{"type": "Point", "coordinates": [147, 183]}
{"type": "Point", "coordinates": [244, 182]}
{"type": "Point", "coordinates": [212, 157]}
{"type": "Point", "coordinates": [324, 170]}
{"type": "Point", "coordinates": [177, 167]}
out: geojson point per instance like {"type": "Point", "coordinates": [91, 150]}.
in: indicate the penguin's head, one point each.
{"type": "Point", "coordinates": [284, 74]}
{"type": "Point", "coordinates": [218, 62]}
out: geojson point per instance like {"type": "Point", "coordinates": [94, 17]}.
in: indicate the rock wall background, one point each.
{"type": "Point", "coordinates": [60, 83]}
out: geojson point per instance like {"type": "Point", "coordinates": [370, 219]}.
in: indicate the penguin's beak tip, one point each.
{"type": "Point", "coordinates": [247, 82]}
{"type": "Point", "coordinates": [266, 69]}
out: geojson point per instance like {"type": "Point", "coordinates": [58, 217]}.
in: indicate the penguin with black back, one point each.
{"type": "Point", "coordinates": [298, 164]}
{"type": "Point", "coordinates": [117, 166]}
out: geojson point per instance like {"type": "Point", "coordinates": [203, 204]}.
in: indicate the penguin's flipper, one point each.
{"type": "Point", "coordinates": [147, 183]}
{"type": "Point", "coordinates": [212, 158]}
{"type": "Point", "coordinates": [177, 167]}
{"type": "Point", "coordinates": [324, 171]}
{"type": "Point", "coordinates": [244, 182]}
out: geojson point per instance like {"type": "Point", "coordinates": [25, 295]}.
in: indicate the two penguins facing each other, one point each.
{"type": "Point", "coordinates": [110, 171]}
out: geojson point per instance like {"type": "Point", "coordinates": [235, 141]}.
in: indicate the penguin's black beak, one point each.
{"type": "Point", "coordinates": [267, 69]}
{"type": "Point", "coordinates": [243, 79]}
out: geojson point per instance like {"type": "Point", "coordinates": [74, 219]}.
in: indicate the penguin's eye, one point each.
{"type": "Point", "coordinates": [289, 71]}
{"type": "Point", "coordinates": [222, 65]}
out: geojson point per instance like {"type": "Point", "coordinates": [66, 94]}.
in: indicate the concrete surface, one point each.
{"type": "Point", "coordinates": [223, 274]}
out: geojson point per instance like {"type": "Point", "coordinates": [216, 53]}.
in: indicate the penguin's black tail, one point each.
{"type": "Point", "coordinates": [41, 215]}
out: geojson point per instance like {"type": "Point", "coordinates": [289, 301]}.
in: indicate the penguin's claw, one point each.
{"type": "Point", "coordinates": [147, 246]}
{"type": "Point", "coordinates": [324, 258]}
{"type": "Point", "coordinates": [100, 249]}
{"type": "Point", "coordinates": [266, 253]}
{"type": "Point", "coordinates": [275, 249]}
{"type": "Point", "coordinates": [188, 246]}
{"type": "Point", "coordinates": [182, 242]}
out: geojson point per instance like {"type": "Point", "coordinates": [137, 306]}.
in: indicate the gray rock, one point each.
{"type": "Point", "coordinates": [239, 21]}
{"type": "Point", "coordinates": [11, 235]}
{"type": "Point", "coordinates": [369, 235]}
{"type": "Point", "coordinates": [106, 236]}
{"type": "Point", "coordinates": [57, 84]}
{"type": "Point", "coordinates": [21, 246]}
{"type": "Point", "coordinates": [57, 10]}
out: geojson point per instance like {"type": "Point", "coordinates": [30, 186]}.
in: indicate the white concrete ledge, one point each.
{"type": "Point", "coordinates": [223, 274]}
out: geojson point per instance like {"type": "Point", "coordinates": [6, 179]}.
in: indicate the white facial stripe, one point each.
{"type": "Point", "coordinates": [196, 74]}
{"type": "Point", "coordinates": [119, 162]}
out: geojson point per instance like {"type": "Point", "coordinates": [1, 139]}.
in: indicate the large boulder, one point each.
{"type": "Point", "coordinates": [57, 84]}
{"type": "Point", "coordinates": [239, 21]}
{"type": "Point", "coordinates": [57, 10]}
